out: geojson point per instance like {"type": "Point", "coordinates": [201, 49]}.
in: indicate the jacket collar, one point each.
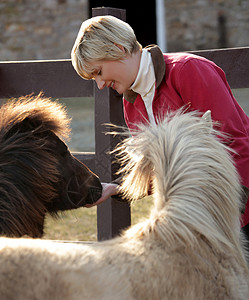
{"type": "Point", "coordinates": [159, 68]}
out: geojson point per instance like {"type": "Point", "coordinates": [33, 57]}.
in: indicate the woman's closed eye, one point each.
{"type": "Point", "coordinates": [96, 73]}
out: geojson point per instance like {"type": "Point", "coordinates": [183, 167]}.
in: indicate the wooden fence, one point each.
{"type": "Point", "coordinates": [57, 78]}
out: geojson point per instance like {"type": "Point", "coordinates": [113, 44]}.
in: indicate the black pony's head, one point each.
{"type": "Point", "coordinates": [38, 174]}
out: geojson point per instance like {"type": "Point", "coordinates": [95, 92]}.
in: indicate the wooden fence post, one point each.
{"type": "Point", "coordinates": [112, 216]}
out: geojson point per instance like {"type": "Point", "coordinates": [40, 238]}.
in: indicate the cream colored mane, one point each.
{"type": "Point", "coordinates": [194, 183]}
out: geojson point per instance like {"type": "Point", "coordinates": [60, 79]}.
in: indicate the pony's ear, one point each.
{"type": "Point", "coordinates": [207, 118]}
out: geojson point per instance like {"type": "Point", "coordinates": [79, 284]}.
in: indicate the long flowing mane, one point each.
{"type": "Point", "coordinates": [194, 182]}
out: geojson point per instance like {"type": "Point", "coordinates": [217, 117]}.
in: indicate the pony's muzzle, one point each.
{"type": "Point", "coordinates": [93, 194]}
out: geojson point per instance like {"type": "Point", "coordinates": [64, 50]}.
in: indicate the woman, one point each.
{"type": "Point", "coordinates": [106, 50]}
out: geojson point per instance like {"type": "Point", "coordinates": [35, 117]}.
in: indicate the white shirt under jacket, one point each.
{"type": "Point", "coordinates": [145, 82]}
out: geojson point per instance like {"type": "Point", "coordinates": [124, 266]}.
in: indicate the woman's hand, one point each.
{"type": "Point", "coordinates": [109, 189]}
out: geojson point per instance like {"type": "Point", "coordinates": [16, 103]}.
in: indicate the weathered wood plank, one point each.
{"type": "Point", "coordinates": [116, 12]}
{"type": "Point", "coordinates": [87, 158]}
{"type": "Point", "coordinates": [112, 216]}
{"type": "Point", "coordinates": [56, 78]}
{"type": "Point", "coordinates": [233, 61]}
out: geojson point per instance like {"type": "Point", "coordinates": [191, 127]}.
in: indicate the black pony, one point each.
{"type": "Point", "coordinates": [38, 174]}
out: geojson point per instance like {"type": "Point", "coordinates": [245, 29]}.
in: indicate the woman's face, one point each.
{"type": "Point", "coordinates": [117, 74]}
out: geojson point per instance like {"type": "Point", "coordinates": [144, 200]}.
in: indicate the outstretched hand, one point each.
{"type": "Point", "coordinates": [109, 189]}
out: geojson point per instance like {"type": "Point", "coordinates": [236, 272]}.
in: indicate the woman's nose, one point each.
{"type": "Point", "coordinates": [100, 83]}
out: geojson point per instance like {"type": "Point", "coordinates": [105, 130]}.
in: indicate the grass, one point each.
{"type": "Point", "coordinates": [81, 224]}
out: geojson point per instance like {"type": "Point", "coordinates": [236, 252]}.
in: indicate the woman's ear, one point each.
{"type": "Point", "coordinates": [120, 47]}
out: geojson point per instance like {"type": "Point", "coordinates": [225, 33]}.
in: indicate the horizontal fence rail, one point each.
{"type": "Point", "coordinates": [56, 78]}
{"type": "Point", "coordinates": [233, 61]}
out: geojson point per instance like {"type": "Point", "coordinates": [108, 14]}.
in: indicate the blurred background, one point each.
{"type": "Point", "coordinates": [46, 29]}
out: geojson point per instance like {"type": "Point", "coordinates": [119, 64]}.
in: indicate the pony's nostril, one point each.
{"type": "Point", "coordinates": [93, 195]}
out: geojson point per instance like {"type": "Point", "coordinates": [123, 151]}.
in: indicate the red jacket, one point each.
{"type": "Point", "coordinates": [186, 79]}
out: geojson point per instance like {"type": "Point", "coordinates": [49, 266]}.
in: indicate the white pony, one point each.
{"type": "Point", "coordinates": [190, 247]}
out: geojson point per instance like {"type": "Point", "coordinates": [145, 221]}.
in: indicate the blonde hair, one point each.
{"type": "Point", "coordinates": [97, 39]}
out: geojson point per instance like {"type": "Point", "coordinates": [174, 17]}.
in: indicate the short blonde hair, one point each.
{"type": "Point", "coordinates": [97, 39]}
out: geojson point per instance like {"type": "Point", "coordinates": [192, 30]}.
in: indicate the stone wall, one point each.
{"type": "Point", "coordinates": [206, 24]}
{"type": "Point", "coordinates": [46, 29]}
{"type": "Point", "coordinates": [39, 29]}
